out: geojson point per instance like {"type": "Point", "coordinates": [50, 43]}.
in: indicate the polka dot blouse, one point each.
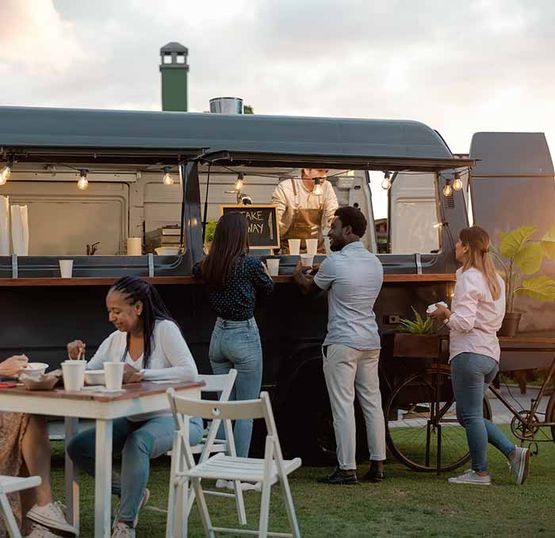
{"type": "Point", "coordinates": [237, 300]}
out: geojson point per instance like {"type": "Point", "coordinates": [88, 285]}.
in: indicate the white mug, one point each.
{"type": "Point", "coordinates": [113, 375]}
{"type": "Point", "coordinates": [73, 373]}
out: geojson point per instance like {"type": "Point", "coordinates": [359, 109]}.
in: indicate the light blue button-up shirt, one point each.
{"type": "Point", "coordinates": [353, 277]}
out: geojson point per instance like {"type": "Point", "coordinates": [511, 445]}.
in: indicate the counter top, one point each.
{"type": "Point", "coordinates": [184, 280]}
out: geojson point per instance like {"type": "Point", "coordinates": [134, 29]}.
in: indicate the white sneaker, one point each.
{"type": "Point", "coordinates": [520, 464]}
{"type": "Point", "coordinates": [51, 516]}
{"type": "Point", "coordinates": [38, 531]}
{"type": "Point", "coordinates": [121, 530]}
{"type": "Point", "coordinates": [471, 477]}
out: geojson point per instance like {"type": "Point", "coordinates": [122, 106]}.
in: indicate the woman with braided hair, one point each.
{"type": "Point", "coordinates": [152, 347]}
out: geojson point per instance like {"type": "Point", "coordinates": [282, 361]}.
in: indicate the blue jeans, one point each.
{"type": "Point", "coordinates": [138, 443]}
{"type": "Point", "coordinates": [236, 344]}
{"type": "Point", "coordinates": [471, 374]}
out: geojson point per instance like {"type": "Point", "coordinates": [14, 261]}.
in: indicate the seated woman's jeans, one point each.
{"type": "Point", "coordinates": [471, 374]}
{"type": "Point", "coordinates": [236, 344]}
{"type": "Point", "coordinates": [138, 443]}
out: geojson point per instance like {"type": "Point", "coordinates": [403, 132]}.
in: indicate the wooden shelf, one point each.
{"type": "Point", "coordinates": [184, 280]}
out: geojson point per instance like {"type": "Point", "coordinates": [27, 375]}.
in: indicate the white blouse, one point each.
{"type": "Point", "coordinates": [476, 316]}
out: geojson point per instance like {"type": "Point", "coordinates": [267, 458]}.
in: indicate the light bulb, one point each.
{"type": "Point", "coordinates": [6, 173]}
{"type": "Point", "coordinates": [448, 189]}
{"type": "Point", "coordinates": [457, 183]}
{"type": "Point", "coordinates": [167, 179]}
{"type": "Point", "coordinates": [83, 182]}
{"type": "Point", "coordinates": [317, 186]}
{"type": "Point", "coordinates": [386, 183]}
{"type": "Point", "coordinates": [239, 183]}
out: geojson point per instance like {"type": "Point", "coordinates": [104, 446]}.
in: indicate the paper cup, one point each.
{"type": "Point", "coordinates": [113, 375]}
{"type": "Point", "coordinates": [73, 373]}
{"type": "Point", "coordinates": [66, 268]}
{"type": "Point", "coordinates": [294, 247]}
{"type": "Point", "coordinates": [311, 246]}
{"type": "Point", "coordinates": [307, 260]}
{"type": "Point", "coordinates": [273, 266]}
{"type": "Point", "coordinates": [134, 246]}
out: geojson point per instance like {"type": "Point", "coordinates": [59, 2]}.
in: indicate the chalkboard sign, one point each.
{"type": "Point", "coordinates": [262, 224]}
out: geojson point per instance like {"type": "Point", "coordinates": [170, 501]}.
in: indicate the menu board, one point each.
{"type": "Point", "coordinates": [262, 223]}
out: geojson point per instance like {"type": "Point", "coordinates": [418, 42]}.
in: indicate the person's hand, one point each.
{"type": "Point", "coordinates": [298, 268]}
{"type": "Point", "coordinates": [440, 313]}
{"type": "Point", "coordinates": [131, 375]}
{"type": "Point", "coordinates": [76, 349]}
{"type": "Point", "coordinates": [12, 366]}
{"type": "Point", "coordinates": [315, 268]}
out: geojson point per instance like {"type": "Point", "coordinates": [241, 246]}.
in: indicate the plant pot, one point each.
{"type": "Point", "coordinates": [509, 327]}
{"type": "Point", "coordinates": [418, 346]}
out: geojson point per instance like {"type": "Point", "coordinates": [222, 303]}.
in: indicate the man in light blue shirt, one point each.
{"type": "Point", "coordinates": [353, 277]}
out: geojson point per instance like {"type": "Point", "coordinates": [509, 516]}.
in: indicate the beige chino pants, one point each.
{"type": "Point", "coordinates": [350, 371]}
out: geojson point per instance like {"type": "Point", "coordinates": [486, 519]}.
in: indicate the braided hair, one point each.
{"type": "Point", "coordinates": [135, 289]}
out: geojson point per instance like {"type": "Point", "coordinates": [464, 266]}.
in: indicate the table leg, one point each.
{"type": "Point", "coordinates": [103, 479]}
{"type": "Point", "coordinates": [71, 475]}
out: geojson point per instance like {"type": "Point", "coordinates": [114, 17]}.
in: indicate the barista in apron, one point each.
{"type": "Point", "coordinates": [305, 224]}
{"type": "Point", "coordinates": [302, 213]}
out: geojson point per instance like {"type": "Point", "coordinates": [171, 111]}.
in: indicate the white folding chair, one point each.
{"type": "Point", "coordinates": [268, 471]}
{"type": "Point", "coordinates": [218, 383]}
{"type": "Point", "coordinates": [11, 484]}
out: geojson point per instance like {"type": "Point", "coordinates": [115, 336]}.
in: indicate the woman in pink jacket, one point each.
{"type": "Point", "coordinates": [475, 317]}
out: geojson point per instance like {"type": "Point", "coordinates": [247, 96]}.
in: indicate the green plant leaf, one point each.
{"type": "Point", "coordinates": [529, 257]}
{"type": "Point", "coordinates": [420, 325]}
{"type": "Point", "coordinates": [548, 243]}
{"type": "Point", "coordinates": [511, 242]}
{"type": "Point", "coordinates": [541, 288]}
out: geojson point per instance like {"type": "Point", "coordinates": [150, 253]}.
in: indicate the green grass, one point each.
{"type": "Point", "coordinates": [406, 504]}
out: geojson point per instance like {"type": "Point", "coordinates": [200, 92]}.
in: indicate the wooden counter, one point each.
{"type": "Point", "coordinates": [183, 280]}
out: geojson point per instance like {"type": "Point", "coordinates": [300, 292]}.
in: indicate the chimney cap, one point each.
{"type": "Point", "coordinates": [174, 46]}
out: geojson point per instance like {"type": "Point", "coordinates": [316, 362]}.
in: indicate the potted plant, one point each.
{"type": "Point", "coordinates": [209, 234]}
{"type": "Point", "coordinates": [417, 338]}
{"type": "Point", "coordinates": [519, 257]}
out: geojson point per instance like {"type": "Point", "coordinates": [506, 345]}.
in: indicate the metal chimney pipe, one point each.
{"type": "Point", "coordinates": [226, 105]}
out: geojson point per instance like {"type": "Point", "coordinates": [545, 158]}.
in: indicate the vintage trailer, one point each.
{"type": "Point", "coordinates": [125, 156]}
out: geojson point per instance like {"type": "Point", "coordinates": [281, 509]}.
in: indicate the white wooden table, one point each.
{"type": "Point", "coordinates": [103, 408]}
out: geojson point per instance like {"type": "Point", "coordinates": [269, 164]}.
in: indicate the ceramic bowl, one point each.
{"type": "Point", "coordinates": [95, 377]}
{"type": "Point", "coordinates": [35, 369]}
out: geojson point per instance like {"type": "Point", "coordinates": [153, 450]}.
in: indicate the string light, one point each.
{"type": "Point", "coordinates": [239, 183]}
{"type": "Point", "coordinates": [317, 186]}
{"type": "Point", "coordinates": [6, 173]}
{"type": "Point", "coordinates": [457, 183]}
{"type": "Point", "coordinates": [447, 189]}
{"type": "Point", "coordinates": [167, 179]}
{"type": "Point", "coordinates": [386, 183]}
{"type": "Point", "coordinates": [83, 182]}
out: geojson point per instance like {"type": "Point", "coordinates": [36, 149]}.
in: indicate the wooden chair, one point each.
{"type": "Point", "coordinates": [268, 470]}
{"type": "Point", "coordinates": [222, 384]}
{"type": "Point", "coordinates": [12, 484]}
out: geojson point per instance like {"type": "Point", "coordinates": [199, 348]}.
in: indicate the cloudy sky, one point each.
{"type": "Point", "coordinates": [460, 67]}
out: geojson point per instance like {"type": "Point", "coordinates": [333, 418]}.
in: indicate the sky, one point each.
{"type": "Point", "coordinates": [459, 67]}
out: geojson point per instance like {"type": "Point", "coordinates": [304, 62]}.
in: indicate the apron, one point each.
{"type": "Point", "coordinates": [305, 224]}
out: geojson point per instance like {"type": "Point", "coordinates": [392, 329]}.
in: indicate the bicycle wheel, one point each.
{"type": "Point", "coordinates": [550, 414]}
{"type": "Point", "coordinates": [423, 431]}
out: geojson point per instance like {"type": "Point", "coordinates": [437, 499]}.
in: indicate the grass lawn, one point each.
{"type": "Point", "coordinates": [406, 504]}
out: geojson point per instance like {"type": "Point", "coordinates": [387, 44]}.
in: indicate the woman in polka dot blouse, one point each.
{"type": "Point", "coordinates": [234, 279]}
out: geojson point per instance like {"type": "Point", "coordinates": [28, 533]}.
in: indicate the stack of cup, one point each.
{"type": "Point", "coordinates": [73, 373]}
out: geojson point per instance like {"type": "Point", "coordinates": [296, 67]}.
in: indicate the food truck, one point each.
{"type": "Point", "coordinates": [93, 179]}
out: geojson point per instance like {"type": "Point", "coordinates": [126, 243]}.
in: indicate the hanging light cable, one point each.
{"type": "Point", "coordinates": [6, 173]}
{"type": "Point", "coordinates": [317, 186]}
{"type": "Point", "coordinates": [457, 182]}
{"type": "Point", "coordinates": [386, 183]}
{"type": "Point", "coordinates": [83, 182]}
{"type": "Point", "coordinates": [167, 179]}
{"type": "Point", "coordinates": [239, 182]}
